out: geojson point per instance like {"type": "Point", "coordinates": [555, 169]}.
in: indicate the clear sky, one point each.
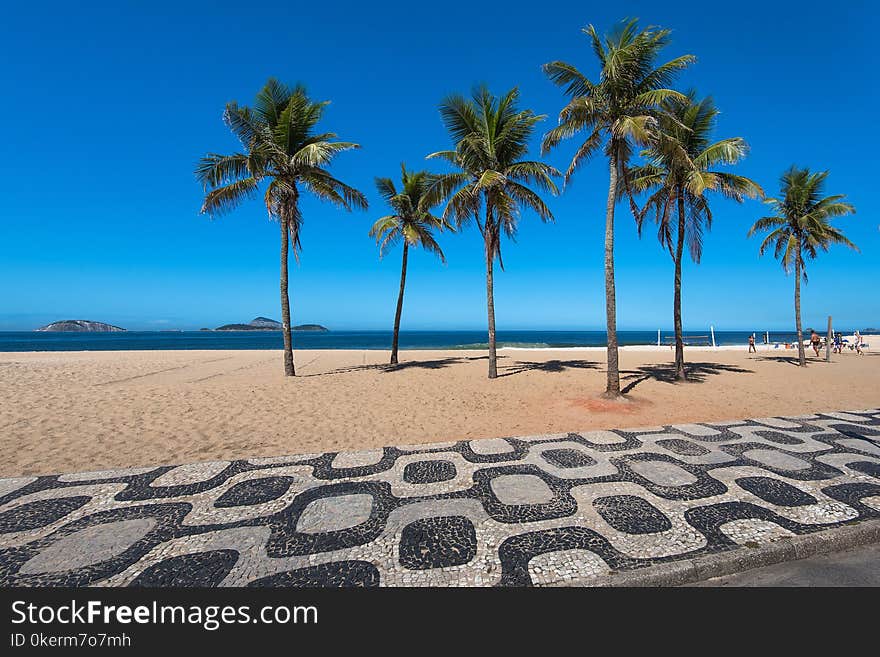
{"type": "Point", "coordinates": [108, 105]}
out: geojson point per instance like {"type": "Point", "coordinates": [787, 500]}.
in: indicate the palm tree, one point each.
{"type": "Point", "coordinates": [620, 110]}
{"type": "Point", "coordinates": [679, 173]}
{"type": "Point", "coordinates": [412, 222]}
{"type": "Point", "coordinates": [490, 185]}
{"type": "Point", "coordinates": [801, 226]}
{"type": "Point", "coordinates": [282, 148]}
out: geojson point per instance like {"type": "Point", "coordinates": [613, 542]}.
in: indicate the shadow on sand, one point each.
{"type": "Point", "coordinates": [546, 366]}
{"type": "Point", "coordinates": [696, 373]}
{"type": "Point", "coordinates": [436, 364]}
{"type": "Point", "coordinates": [516, 367]}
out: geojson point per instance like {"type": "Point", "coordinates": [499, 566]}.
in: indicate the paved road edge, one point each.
{"type": "Point", "coordinates": [686, 571]}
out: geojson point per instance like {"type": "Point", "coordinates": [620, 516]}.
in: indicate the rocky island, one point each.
{"type": "Point", "coordinates": [80, 326]}
{"type": "Point", "coordinates": [266, 324]}
{"type": "Point", "coordinates": [256, 324]}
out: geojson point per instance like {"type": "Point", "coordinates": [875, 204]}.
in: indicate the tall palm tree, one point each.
{"type": "Point", "coordinates": [411, 222]}
{"type": "Point", "coordinates": [490, 186]}
{"type": "Point", "coordinates": [282, 148]}
{"type": "Point", "coordinates": [619, 110]}
{"type": "Point", "coordinates": [680, 170]}
{"type": "Point", "coordinates": [801, 227]}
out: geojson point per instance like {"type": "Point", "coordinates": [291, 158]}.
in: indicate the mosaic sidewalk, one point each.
{"type": "Point", "coordinates": [514, 511]}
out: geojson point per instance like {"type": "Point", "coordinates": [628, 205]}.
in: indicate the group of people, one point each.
{"type": "Point", "coordinates": [837, 345]}
{"type": "Point", "coordinates": [816, 343]}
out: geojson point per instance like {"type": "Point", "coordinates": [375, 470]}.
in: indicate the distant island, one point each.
{"type": "Point", "coordinates": [80, 326]}
{"type": "Point", "coordinates": [266, 324]}
{"type": "Point", "coordinates": [256, 324]}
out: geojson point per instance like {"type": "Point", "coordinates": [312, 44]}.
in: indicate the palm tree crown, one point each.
{"type": "Point", "coordinates": [621, 108]}
{"type": "Point", "coordinates": [681, 165]}
{"type": "Point", "coordinates": [491, 137]}
{"type": "Point", "coordinates": [412, 220]}
{"type": "Point", "coordinates": [801, 225]}
{"type": "Point", "coordinates": [281, 145]}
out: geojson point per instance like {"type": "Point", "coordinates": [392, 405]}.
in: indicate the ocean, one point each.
{"type": "Point", "coordinates": [154, 340]}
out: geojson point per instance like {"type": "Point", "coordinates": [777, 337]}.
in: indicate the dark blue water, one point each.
{"type": "Point", "coordinates": [144, 340]}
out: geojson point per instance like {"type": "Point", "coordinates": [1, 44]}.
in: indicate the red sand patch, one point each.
{"type": "Point", "coordinates": [624, 405]}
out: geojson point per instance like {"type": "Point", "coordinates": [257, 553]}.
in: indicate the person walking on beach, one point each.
{"type": "Point", "coordinates": [816, 341]}
{"type": "Point", "coordinates": [838, 343]}
{"type": "Point", "coordinates": [858, 343]}
{"type": "Point", "coordinates": [752, 349]}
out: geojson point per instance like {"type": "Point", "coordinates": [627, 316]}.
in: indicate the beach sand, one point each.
{"type": "Point", "coordinates": [75, 411]}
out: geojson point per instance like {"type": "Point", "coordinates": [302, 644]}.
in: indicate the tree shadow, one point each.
{"type": "Point", "coordinates": [665, 373]}
{"type": "Point", "coordinates": [436, 364]}
{"type": "Point", "coordinates": [548, 366]}
{"type": "Point", "coordinates": [792, 360]}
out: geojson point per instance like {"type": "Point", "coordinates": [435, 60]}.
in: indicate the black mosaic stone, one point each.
{"type": "Point", "coordinates": [631, 514]}
{"type": "Point", "coordinates": [683, 447]}
{"type": "Point", "coordinates": [779, 437]}
{"type": "Point", "coordinates": [341, 574]}
{"type": "Point", "coordinates": [567, 458]}
{"type": "Point", "coordinates": [775, 491]}
{"type": "Point", "coordinates": [516, 551]}
{"type": "Point", "coordinates": [438, 543]}
{"type": "Point", "coordinates": [254, 491]}
{"type": "Point", "coordinates": [39, 514]}
{"type": "Point", "coordinates": [871, 468]}
{"type": "Point", "coordinates": [189, 570]}
{"type": "Point", "coordinates": [428, 472]}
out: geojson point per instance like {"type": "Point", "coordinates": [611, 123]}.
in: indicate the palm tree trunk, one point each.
{"type": "Point", "coordinates": [285, 301]}
{"type": "Point", "coordinates": [490, 298]}
{"type": "Point", "coordinates": [802, 357]}
{"type": "Point", "coordinates": [399, 305]}
{"type": "Point", "coordinates": [612, 388]}
{"type": "Point", "coordinates": [676, 312]}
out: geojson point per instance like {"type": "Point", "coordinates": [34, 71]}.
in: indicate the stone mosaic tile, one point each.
{"type": "Point", "coordinates": [515, 511]}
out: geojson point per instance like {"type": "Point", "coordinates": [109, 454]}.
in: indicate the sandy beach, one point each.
{"type": "Point", "coordinates": [73, 411]}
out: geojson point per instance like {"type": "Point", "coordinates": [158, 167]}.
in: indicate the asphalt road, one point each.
{"type": "Point", "coordinates": [857, 567]}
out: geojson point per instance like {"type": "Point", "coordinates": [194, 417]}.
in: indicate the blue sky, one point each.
{"type": "Point", "coordinates": [108, 106]}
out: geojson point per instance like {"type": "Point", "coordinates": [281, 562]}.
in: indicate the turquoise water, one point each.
{"type": "Point", "coordinates": [145, 340]}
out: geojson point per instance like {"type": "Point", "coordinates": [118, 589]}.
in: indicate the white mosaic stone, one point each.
{"type": "Point", "coordinates": [860, 445]}
{"type": "Point", "coordinates": [9, 485]}
{"type": "Point", "coordinates": [696, 429]}
{"type": "Point", "coordinates": [515, 489]}
{"type": "Point", "coordinates": [330, 514]}
{"type": "Point", "coordinates": [777, 422]}
{"type": "Point", "coordinates": [663, 473]}
{"type": "Point", "coordinates": [603, 437]}
{"type": "Point", "coordinates": [190, 474]}
{"type": "Point", "coordinates": [554, 567]}
{"type": "Point", "coordinates": [753, 531]}
{"type": "Point", "coordinates": [357, 459]}
{"type": "Point", "coordinates": [873, 502]}
{"type": "Point", "coordinates": [777, 459]}
{"type": "Point", "coordinates": [491, 446]}
{"type": "Point", "coordinates": [89, 546]}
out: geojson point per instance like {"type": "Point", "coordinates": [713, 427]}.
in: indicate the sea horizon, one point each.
{"type": "Point", "coordinates": [367, 339]}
